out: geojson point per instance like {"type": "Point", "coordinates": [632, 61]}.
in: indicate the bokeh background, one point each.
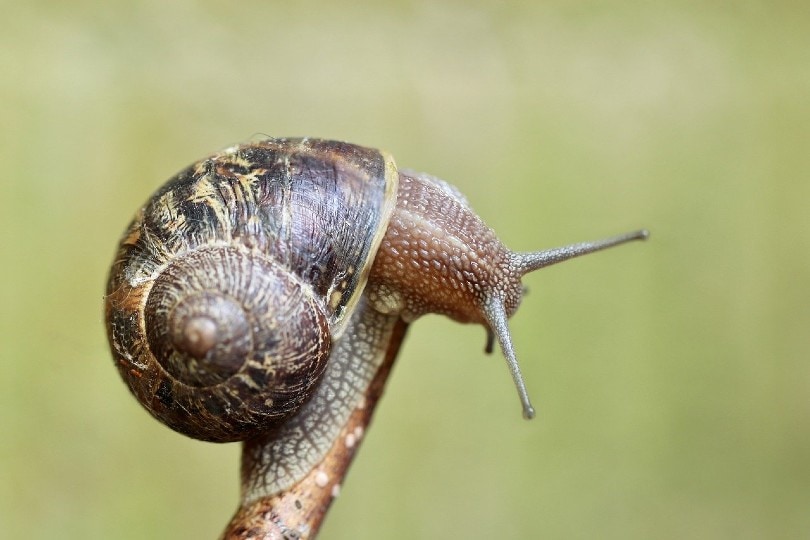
{"type": "Point", "coordinates": [672, 378]}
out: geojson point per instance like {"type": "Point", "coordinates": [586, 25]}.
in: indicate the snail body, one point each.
{"type": "Point", "coordinates": [253, 296]}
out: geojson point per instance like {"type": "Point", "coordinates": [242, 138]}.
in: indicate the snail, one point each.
{"type": "Point", "coordinates": [255, 293]}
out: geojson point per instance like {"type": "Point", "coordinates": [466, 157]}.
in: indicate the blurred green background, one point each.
{"type": "Point", "coordinates": [672, 377]}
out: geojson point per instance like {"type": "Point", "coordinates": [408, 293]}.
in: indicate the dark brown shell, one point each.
{"type": "Point", "coordinates": [232, 281]}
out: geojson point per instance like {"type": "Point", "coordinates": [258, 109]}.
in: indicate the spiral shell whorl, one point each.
{"type": "Point", "coordinates": [236, 344]}
{"type": "Point", "coordinates": [201, 339]}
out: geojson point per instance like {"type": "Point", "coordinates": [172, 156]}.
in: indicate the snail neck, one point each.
{"type": "Point", "coordinates": [438, 256]}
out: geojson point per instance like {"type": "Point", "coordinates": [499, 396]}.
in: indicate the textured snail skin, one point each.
{"type": "Point", "coordinates": [438, 256]}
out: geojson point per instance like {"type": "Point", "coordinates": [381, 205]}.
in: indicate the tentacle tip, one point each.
{"type": "Point", "coordinates": [489, 347]}
{"type": "Point", "coordinates": [643, 234]}
{"type": "Point", "coordinates": [528, 412]}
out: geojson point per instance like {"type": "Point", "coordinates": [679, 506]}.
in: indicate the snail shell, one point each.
{"type": "Point", "coordinates": [232, 283]}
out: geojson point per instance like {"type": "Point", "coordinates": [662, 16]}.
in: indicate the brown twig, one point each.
{"type": "Point", "coordinates": [298, 512]}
